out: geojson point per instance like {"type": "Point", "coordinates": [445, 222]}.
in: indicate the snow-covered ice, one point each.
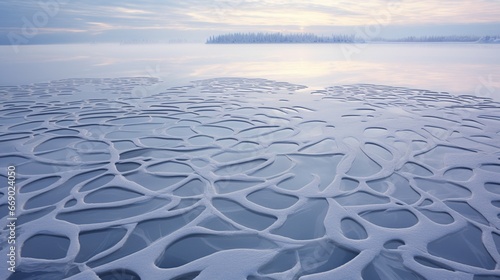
{"type": "Point", "coordinates": [234, 178]}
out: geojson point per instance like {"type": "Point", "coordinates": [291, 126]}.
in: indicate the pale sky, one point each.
{"type": "Point", "coordinates": [65, 21]}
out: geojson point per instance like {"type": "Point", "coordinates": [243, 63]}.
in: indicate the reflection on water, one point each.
{"type": "Point", "coordinates": [455, 68]}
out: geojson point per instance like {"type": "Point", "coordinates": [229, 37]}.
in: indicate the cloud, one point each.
{"type": "Point", "coordinates": [96, 17]}
{"type": "Point", "coordinates": [448, 11]}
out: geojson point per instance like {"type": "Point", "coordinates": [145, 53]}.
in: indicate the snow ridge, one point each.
{"type": "Point", "coordinates": [251, 179]}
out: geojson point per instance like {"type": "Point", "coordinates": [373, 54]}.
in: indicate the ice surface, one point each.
{"type": "Point", "coordinates": [251, 179]}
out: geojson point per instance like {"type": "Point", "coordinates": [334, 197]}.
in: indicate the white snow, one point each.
{"type": "Point", "coordinates": [235, 178]}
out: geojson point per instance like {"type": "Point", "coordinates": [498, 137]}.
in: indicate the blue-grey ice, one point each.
{"type": "Point", "coordinates": [234, 178]}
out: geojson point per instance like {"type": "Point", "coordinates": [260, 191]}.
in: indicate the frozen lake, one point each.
{"type": "Point", "coordinates": [144, 162]}
{"type": "Point", "coordinates": [455, 68]}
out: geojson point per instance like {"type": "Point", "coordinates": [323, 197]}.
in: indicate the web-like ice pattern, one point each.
{"type": "Point", "coordinates": [251, 179]}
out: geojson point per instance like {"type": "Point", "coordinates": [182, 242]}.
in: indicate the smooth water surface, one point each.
{"type": "Point", "coordinates": [455, 68]}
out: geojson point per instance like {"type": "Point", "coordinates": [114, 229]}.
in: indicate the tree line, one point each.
{"type": "Point", "coordinates": [310, 38]}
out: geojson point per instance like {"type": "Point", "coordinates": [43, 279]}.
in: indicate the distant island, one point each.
{"type": "Point", "coordinates": [279, 38]}
{"type": "Point", "coordinates": [309, 38]}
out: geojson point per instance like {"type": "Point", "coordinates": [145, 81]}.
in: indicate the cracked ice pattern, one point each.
{"type": "Point", "coordinates": [251, 179]}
